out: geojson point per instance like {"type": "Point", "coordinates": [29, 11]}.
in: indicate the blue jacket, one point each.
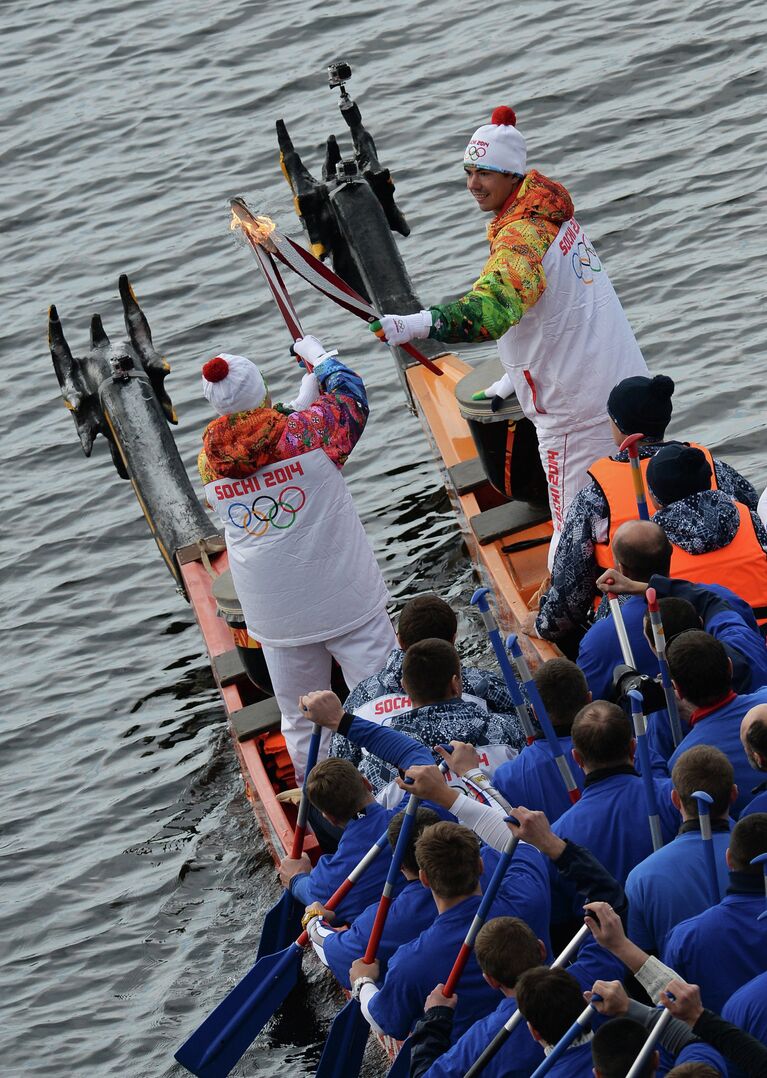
{"type": "Point", "coordinates": [532, 779]}
{"type": "Point", "coordinates": [721, 728]}
{"type": "Point", "coordinates": [412, 911]}
{"type": "Point", "coordinates": [332, 869]}
{"type": "Point", "coordinates": [725, 615]}
{"type": "Point", "coordinates": [747, 1008]}
{"type": "Point", "coordinates": [758, 803]}
{"type": "Point", "coordinates": [611, 821]}
{"type": "Point", "coordinates": [672, 885]}
{"type": "Point", "coordinates": [725, 946]}
{"type": "Point", "coordinates": [575, 1063]}
{"type": "Point", "coordinates": [415, 969]}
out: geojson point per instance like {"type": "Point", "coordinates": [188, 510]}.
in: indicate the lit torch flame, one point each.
{"type": "Point", "coordinates": [256, 228]}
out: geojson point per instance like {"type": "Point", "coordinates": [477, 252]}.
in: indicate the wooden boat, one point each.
{"type": "Point", "coordinates": [507, 537]}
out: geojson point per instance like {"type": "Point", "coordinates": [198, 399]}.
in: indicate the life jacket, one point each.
{"type": "Point", "coordinates": [740, 566]}
{"type": "Point", "coordinates": [568, 350]}
{"type": "Point", "coordinates": [301, 563]}
{"type": "Point", "coordinates": [613, 477]}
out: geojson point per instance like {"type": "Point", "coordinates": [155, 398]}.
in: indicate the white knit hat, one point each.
{"type": "Point", "coordinates": [233, 384]}
{"type": "Point", "coordinates": [498, 146]}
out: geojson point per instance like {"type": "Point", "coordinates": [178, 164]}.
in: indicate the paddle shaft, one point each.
{"type": "Point", "coordinates": [511, 1024]}
{"type": "Point", "coordinates": [631, 445]}
{"type": "Point", "coordinates": [659, 639]}
{"type": "Point", "coordinates": [303, 808]}
{"type": "Point", "coordinates": [639, 1064]}
{"type": "Point", "coordinates": [704, 801]}
{"type": "Point", "coordinates": [391, 879]}
{"type": "Point", "coordinates": [480, 600]}
{"type": "Point", "coordinates": [620, 630]}
{"type": "Point", "coordinates": [643, 752]}
{"type": "Point", "coordinates": [542, 715]}
{"type": "Point", "coordinates": [480, 916]}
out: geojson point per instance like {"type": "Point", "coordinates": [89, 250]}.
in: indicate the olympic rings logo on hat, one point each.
{"type": "Point", "coordinates": [256, 521]}
{"type": "Point", "coordinates": [474, 152]}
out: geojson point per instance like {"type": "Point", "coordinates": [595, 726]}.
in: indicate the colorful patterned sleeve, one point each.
{"type": "Point", "coordinates": [512, 281]}
{"type": "Point", "coordinates": [334, 422]}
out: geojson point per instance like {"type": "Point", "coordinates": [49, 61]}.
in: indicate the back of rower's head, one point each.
{"type": "Point", "coordinates": [694, 1068]}
{"type": "Point", "coordinates": [338, 790]}
{"type": "Point", "coordinates": [431, 672]}
{"type": "Point", "coordinates": [616, 1045]}
{"type": "Point", "coordinates": [640, 549]}
{"type": "Point", "coordinates": [700, 668]}
{"type": "Point", "coordinates": [549, 1000]}
{"type": "Point", "coordinates": [678, 616]}
{"type": "Point", "coordinates": [448, 860]}
{"type": "Point", "coordinates": [703, 767]}
{"type": "Point", "coordinates": [677, 471]}
{"type": "Point", "coordinates": [424, 817]}
{"type": "Point", "coordinates": [641, 405]}
{"type": "Point", "coordinates": [602, 736]}
{"type": "Point", "coordinates": [564, 691]}
{"type": "Point", "coordinates": [426, 617]}
{"type": "Point", "coordinates": [747, 841]}
{"type": "Point", "coordinates": [753, 736]}
{"type": "Point", "coordinates": [506, 948]}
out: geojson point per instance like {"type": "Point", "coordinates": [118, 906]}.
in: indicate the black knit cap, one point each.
{"type": "Point", "coordinates": [677, 471]}
{"type": "Point", "coordinates": [641, 405]}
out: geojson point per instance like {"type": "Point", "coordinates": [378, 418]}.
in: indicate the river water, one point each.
{"type": "Point", "coordinates": [134, 878]}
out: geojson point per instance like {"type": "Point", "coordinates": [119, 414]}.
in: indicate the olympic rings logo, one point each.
{"type": "Point", "coordinates": [475, 152]}
{"type": "Point", "coordinates": [586, 262]}
{"type": "Point", "coordinates": [277, 513]}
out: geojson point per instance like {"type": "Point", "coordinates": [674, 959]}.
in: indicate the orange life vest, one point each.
{"type": "Point", "coordinates": [613, 477]}
{"type": "Point", "coordinates": [740, 566]}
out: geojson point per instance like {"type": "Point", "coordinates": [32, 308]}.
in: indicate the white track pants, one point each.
{"type": "Point", "coordinates": [299, 670]}
{"type": "Point", "coordinates": [566, 457]}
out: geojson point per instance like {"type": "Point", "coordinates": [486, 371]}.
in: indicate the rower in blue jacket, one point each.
{"type": "Point", "coordinates": [412, 911]}
{"type": "Point", "coordinates": [611, 818]}
{"type": "Point", "coordinates": [747, 1008]}
{"type": "Point", "coordinates": [532, 778]}
{"type": "Point", "coordinates": [342, 795]}
{"type": "Point", "coordinates": [724, 947]}
{"type": "Point", "coordinates": [673, 883]}
{"type": "Point", "coordinates": [702, 675]}
{"type": "Point", "coordinates": [505, 948]}
{"type": "Point", "coordinates": [753, 738]}
{"type": "Point", "coordinates": [642, 555]}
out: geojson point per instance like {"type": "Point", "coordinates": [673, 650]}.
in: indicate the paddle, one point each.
{"type": "Point", "coordinates": [542, 715]}
{"type": "Point", "coordinates": [643, 752]}
{"type": "Point", "coordinates": [284, 918]}
{"type": "Point", "coordinates": [480, 600]}
{"type": "Point", "coordinates": [639, 1066]}
{"type": "Point", "coordinates": [583, 1020]}
{"type": "Point", "coordinates": [217, 1044]}
{"type": "Point", "coordinates": [262, 232]}
{"type": "Point", "coordinates": [631, 444]}
{"type": "Point", "coordinates": [659, 639]}
{"type": "Point", "coordinates": [345, 1045]}
{"type": "Point", "coordinates": [704, 802]}
{"type": "Point", "coordinates": [511, 1023]}
{"type": "Point", "coordinates": [400, 1068]}
{"type": "Point", "coordinates": [620, 629]}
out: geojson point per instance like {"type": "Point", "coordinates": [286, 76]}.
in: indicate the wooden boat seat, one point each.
{"type": "Point", "coordinates": [507, 519]}
{"type": "Point", "coordinates": [467, 475]}
{"type": "Point", "coordinates": [255, 719]}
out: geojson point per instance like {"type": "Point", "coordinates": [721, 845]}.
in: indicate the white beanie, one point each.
{"type": "Point", "coordinates": [233, 384]}
{"type": "Point", "coordinates": [498, 146]}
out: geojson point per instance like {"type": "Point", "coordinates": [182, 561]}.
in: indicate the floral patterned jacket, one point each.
{"type": "Point", "coordinates": [513, 278]}
{"type": "Point", "coordinates": [235, 446]}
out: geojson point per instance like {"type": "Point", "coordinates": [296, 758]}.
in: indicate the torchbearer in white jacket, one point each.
{"type": "Point", "coordinates": [302, 565]}
{"type": "Point", "coordinates": [544, 295]}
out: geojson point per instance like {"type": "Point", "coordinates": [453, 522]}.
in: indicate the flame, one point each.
{"type": "Point", "coordinates": [256, 228]}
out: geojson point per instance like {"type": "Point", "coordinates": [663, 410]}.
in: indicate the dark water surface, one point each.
{"type": "Point", "coordinates": [134, 878]}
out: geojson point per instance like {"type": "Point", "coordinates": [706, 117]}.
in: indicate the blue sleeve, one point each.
{"type": "Point", "coordinates": [335, 377]}
{"type": "Point", "coordinates": [301, 889]}
{"type": "Point", "coordinates": [390, 745]}
{"type": "Point", "coordinates": [342, 948]}
{"type": "Point", "coordinates": [700, 1052]}
{"type": "Point", "coordinates": [399, 1003]}
{"type": "Point", "coordinates": [591, 660]}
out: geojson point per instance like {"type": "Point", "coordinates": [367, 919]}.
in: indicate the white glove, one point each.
{"type": "Point", "coordinates": [503, 388]}
{"type": "Point", "coordinates": [312, 350]}
{"type": "Point", "coordinates": [401, 328]}
{"type": "Point", "coordinates": [307, 394]}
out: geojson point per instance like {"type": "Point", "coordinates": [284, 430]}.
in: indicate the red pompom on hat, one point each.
{"type": "Point", "coordinates": [504, 116]}
{"type": "Point", "coordinates": [215, 369]}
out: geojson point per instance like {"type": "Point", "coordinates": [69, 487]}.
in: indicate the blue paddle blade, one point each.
{"type": "Point", "coordinates": [216, 1045]}
{"type": "Point", "coordinates": [282, 925]}
{"type": "Point", "coordinates": [400, 1068]}
{"type": "Point", "coordinates": [345, 1046]}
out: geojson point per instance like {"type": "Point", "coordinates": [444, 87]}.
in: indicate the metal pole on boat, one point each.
{"type": "Point", "coordinates": [659, 639]}
{"type": "Point", "coordinates": [480, 600]}
{"type": "Point", "coordinates": [643, 752]}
